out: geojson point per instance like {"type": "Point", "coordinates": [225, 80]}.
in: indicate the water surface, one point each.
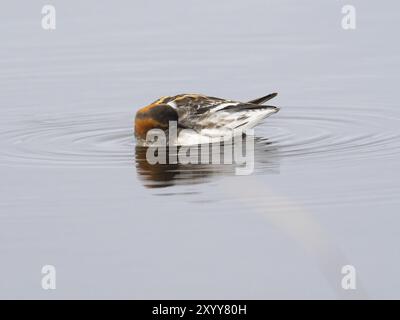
{"type": "Point", "coordinates": [77, 193]}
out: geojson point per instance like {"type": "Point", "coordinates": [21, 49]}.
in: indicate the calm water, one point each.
{"type": "Point", "coordinates": [76, 192]}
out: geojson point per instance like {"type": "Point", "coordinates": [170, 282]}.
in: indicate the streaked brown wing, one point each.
{"type": "Point", "coordinates": [194, 109]}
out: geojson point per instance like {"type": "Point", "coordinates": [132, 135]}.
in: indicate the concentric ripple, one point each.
{"type": "Point", "coordinates": [106, 139]}
{"type": "Point", "coordinates": [334, 134]}
{"type": "Point", "coordinates": [98, 140]}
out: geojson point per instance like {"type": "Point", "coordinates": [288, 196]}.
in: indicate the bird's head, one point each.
{"type": "Point", "coordinates": [154, 116]}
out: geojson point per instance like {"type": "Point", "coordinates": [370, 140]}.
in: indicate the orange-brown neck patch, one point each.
{"type": "Point", "coordinates": [143, 125]}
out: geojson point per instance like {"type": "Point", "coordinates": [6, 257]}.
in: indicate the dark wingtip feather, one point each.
{"type": "Point", "coordinates": [248, 106]}
{"type": "Point", "coordinates": [264, 99]}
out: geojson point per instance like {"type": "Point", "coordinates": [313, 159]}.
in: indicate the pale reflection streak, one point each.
{"type": "Point", "coordinates": [295, 221]}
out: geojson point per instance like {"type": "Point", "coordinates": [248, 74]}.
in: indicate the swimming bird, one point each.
{"type": "Point", "coordinates": [200, 118]}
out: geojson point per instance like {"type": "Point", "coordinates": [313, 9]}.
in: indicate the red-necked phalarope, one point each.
{"type": "Point", "coordinates": [210, 119]}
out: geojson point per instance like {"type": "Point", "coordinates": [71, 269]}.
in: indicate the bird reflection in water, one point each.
{"type": "Point", "coordinates": [266, 160]}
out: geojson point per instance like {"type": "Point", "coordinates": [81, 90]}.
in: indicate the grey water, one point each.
{"type": "Point", "coordinates": [78, 194]}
